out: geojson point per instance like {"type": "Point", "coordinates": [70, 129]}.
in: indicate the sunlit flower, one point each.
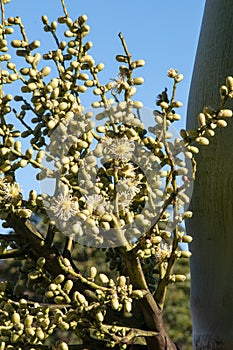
{"type": "Point", "coordinates": [10, 192]}
{"type": "Point", "coordinates": [120, 149]}
{"type": "Point", "coordinates": [124, 200]}
{"type": "Point", "coordinates": [129, 185]}
{"type": "Point", "coordinates": [126, 190]}
{"type": "Point", "coordinates": [64, 206]}
{"type": "Point", "coordinates": [96, 203]}
{"type": "Point", "coordinates": [163, 253]}
{"type": "Point", "coordinates": [120, 83]}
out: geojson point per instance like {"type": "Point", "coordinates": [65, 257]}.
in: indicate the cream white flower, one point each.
{"type": "Point", "coordinates": [120, 149]}
{"type": "Point", "coordinates": [10, 192]}
{"type": "Point", "coordinates": [164, 252]}
{"type": "Point", "coordinates": [129, 185]}
{"type": "Point", "coordinates": [64, 206]}
{"type": "Point", "coordinates": [126, 190]}
{"type": "Point", "coordinates": [96, 203]}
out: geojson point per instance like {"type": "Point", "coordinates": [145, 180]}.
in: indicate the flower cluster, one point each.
{"type": "Point", "coordinates": [119, 184]}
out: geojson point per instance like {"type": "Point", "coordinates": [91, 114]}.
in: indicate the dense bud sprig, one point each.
{"type": "Point", "coordinates": [118, 187]}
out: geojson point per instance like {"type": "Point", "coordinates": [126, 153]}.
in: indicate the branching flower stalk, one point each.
{"type": "Point", "coordinates": [119, 188]}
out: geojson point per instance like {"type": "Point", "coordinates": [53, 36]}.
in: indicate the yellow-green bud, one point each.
{"type": "Point", "coordinates": [202, 140]}
{"type": "Point", "coordinates": [229, 82]}
{"type": "Point", "coordinates": [121, 281]}
{"type": "Point", "coordinates": [114, 302]}
{"type": "Point", "coordinates": [82, 144]}
{"type": "Point", "coordinates": [41, 261]}
{"type": "Point", "coordinates": [137, 104]}
{"type": "Point", "coordinates": [210, 132]}
{"type": "Point", "coordinates": [16, 317]}
{"type": "Point", "coordinates": [63, 346]}
{"type": "Point", "coordinates": [34, 45]}
{"type": "Point", "coordinates": [39, 333]}
{"type": "Point", "coordinates": [59, 279]}
{"type": "Point", "coordinates": [80, 298]}
{"type": "Point", "coordinates": [225, 113]}
{"type": "Point", "coordinates": [96, 104]}
{"type": "Point", "coordinates": [179, 77]}
{"type": "Point", "coordinates": [177, 104]}
{"type": "Point", "coordinates": [137, 294]}
{"type": "Point", "coordinates": [201, 119]}
{"type": "Point", "coordinates": [128, 306]}
{"type": "Point", "coordinates": [121, 58]}
{"type": "Point", "coordinates": [164, 105]}
{"type": "Point", "coordinates": [186, 254]}
{"type": "Point", "coordinates": [59, 299]}
{"type": "Point", "coordinates": [68, 285]}
{"type": "Point", "coordinates": [103, 278]}
{"type": "Point", "coordinates": [221, 123]}
{"type": "Point", "coordinates": [89, 83]}
{"type": "Point", "coordinates": [93, 272]}
{"type": "Point", "coordinates": [138, 81]}
{"type": "Point", "coordinates": [100, 316]}
{"type": "Point", "coordinates": [187, 239]}
{"type": "Point", "coordinates": [100, 67]}
{"type": "Point", "coordinates": [193, 149]}
{"type": "Point", "coordinates": [45, 71]}
{"type": "Point", "coordinates": [28, 321]}
{"type": "Point", "coordinates": [140, 63]}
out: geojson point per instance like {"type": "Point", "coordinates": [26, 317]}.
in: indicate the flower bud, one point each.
{"type": "Point", "coordinates": [68, 286]}
{"type": "Point", "coordinates": [137, 104]}
{"type": "Point", "coordinates": [221, 123]}
{"type": "Point", "coordinates": [93, 272]}
{"type": "Point", "coordinates": [194, 149]}
{"type": "Point", "coordinates": [229, 82]}
{"type": "Point", "coordinates": [63, 346]}
{"type": "Point", "coordinates": [121, 58]}
{"type": "Point", "coordinates": [28, 320]}
{"type": "Point", "coordinates": [39, 333]}
{"type": "Point", "coordinates": [59, 299]}
{"type": "Point", "coordinates": [180, 278]}
{"type": "Point", "coordinates": [171, 73]}
{"type": "Point", "coordinates": [16, 317]}
{"type": "Point", "coordinates": [177, 104]}
{"type": "Point", "coordinates": [41, 261]}
{"type": "Point", "coordinates": [80, 298]}
{"type": "Point", "coordinates": [121, 281]}
{"type": "Point", "coordinates": [187, 239]}
{"type": "Point", "coordinates": [164, 105]}
{"type": "Point", "coordinates": [202, 140]}
{"type": "Point", "coordinates": [183, 134]}
{"type": "Point", "coordinates": [96, 104]}
{"type": "Point", "coordinates": [128, 306]}
{"type": "Point", "coordinates": [186, 254]}
{"type": "Point", "coordinates": [201, 119]}
{"type": "Point", "coordinates": [225, 113]}
{"type": "Point", "coordinates": [137, 294]}
{"type": "Point", "coordinates": [179, 77]}
{"type": "Point", "coordinates": [100, 316]}
{"type": "Point", "coordinates": [59, 279]}
{"type": "Point", "coordinates": [103, 278]}
{"type": "Point", "coordinates": [138, 81]}
{"type": "Point", "coordinates": [139, 63]}
{"type": "Point", "coordinates": [114, 302]}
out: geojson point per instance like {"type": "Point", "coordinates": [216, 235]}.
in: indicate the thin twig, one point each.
{"type": "Point", "coordinates": [64, 8]}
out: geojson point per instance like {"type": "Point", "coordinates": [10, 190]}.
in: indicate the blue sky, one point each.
{"type": "Point", "coordinates": [163, 33]}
